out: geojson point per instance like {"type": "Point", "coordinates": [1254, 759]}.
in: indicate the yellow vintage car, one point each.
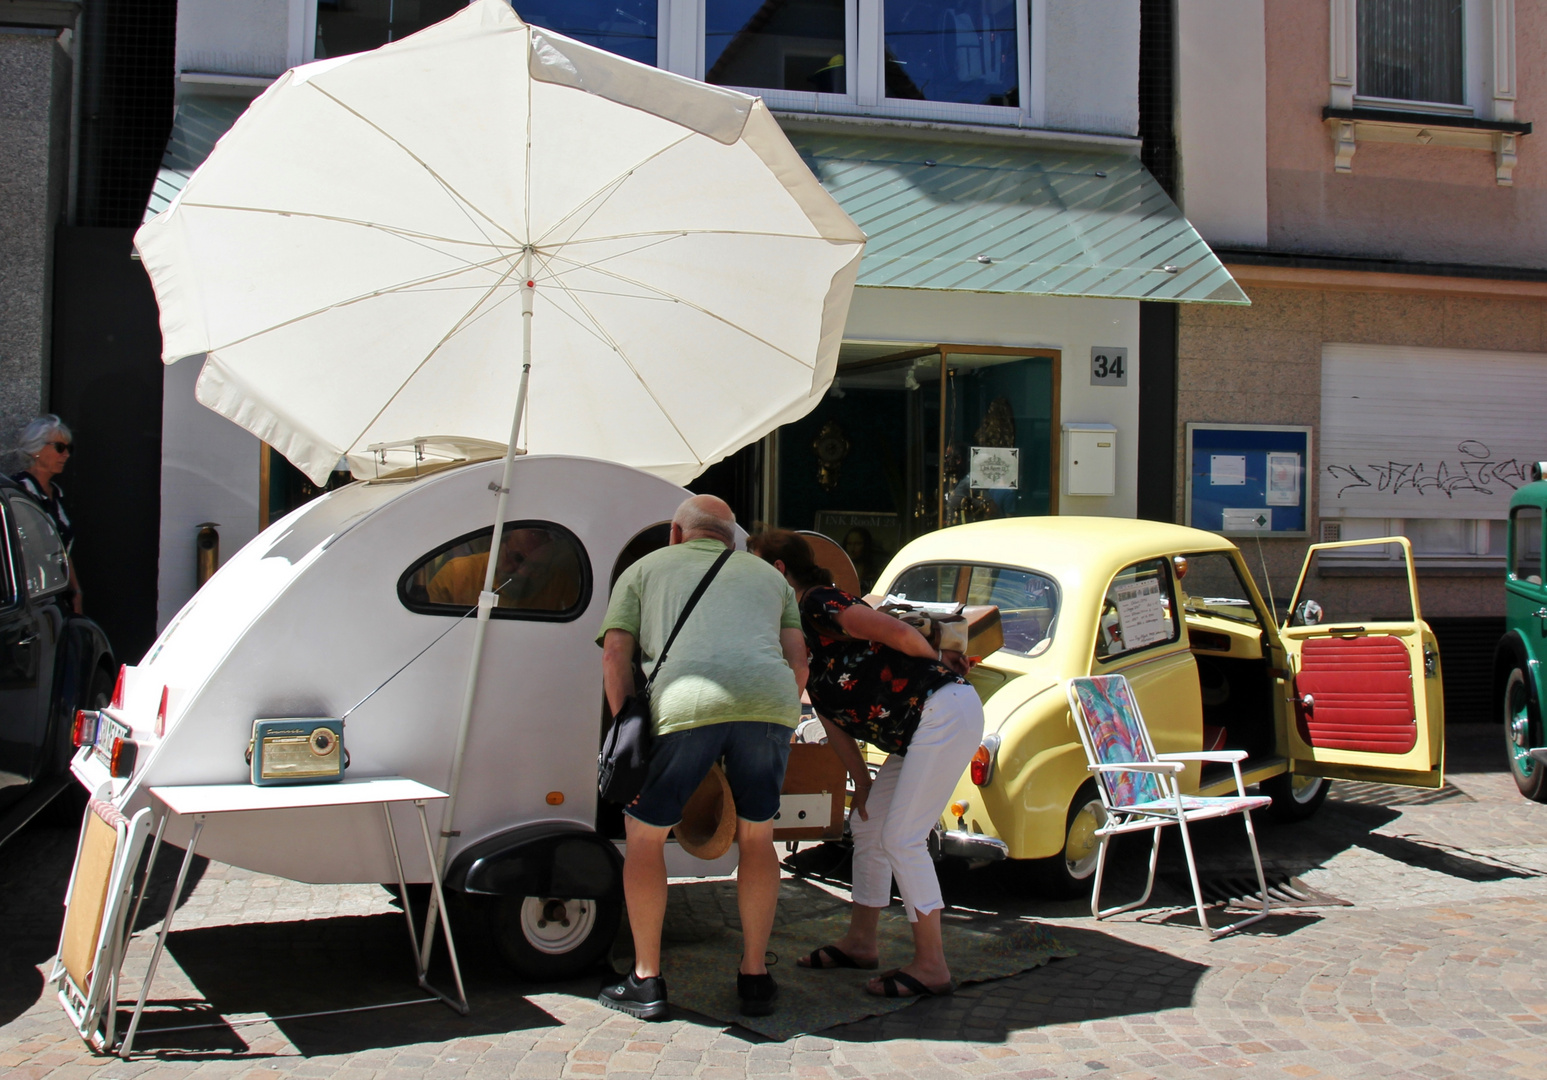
{"type": "Point", "coordinates": [1176, 611]}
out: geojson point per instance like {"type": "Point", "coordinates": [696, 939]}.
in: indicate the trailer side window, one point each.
{"type": "Point", "coordinates": [542, 573]}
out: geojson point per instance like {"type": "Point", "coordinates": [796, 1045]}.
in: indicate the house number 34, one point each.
{"type": "Point", "coordinates": [1108, 367]}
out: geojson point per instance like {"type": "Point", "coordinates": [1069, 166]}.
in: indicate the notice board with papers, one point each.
{"type": "Point", "coordinates": [1248, 479]}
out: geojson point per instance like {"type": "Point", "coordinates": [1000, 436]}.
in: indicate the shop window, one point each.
{"type": "Point", "coordinates": [44, 563]}
{"type": "Point", "coordinates": [626, 27]}
{"type": "Point", "coordinates": [946, 50]}
{"type": "Point", "coordinates": [800, 45]}
{"type": "Point", "coordinates": [1137, 612]}
{"type": "Point", "coordinates": [1526, 551]}
{"type": "Point", "coordinates": [1027, 601]}
{"type": "Point", "coordinates": [1412, 50]}
{"type": "Point", "coordinates": [542, 573]}
{"type": "Point", "coordinates": [351, 26]}
{"type": "Point", "coordinates": [906, 442]}
{"type": "Point", "coordinates": [1211, 585]}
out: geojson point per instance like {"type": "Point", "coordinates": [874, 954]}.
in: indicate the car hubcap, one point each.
{"type": "Point", "coordinates": [1304, 788]}
{"type": "Point", "coordinates": [1517, 724]}
{"type": "Point", "coordinates": [1082, 845]}
{"type": "Point", "coordinates": [556, 926]}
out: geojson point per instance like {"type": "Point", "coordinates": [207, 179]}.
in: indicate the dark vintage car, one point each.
{"type": "Point", "coordinates": [52, 662]}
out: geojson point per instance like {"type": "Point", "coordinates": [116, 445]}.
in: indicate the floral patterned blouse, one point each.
{"type": "Point", "coordinates": [870, 690]}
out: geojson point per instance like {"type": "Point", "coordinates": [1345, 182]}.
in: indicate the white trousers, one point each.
{"type": "Point", "coordinates": [906, 800]}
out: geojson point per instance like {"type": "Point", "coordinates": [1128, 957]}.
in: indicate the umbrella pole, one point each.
{"type": "Point", "coordinates": [486, 601]}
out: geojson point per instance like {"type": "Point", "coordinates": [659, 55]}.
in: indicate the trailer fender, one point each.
{"type": "Point", "coordinates": [547, 858]}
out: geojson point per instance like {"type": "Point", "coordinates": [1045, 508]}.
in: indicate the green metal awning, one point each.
{"type": "Point", "coordinates": [1009, 219]}
{"type": "Point", "coordinates": [198, 125]}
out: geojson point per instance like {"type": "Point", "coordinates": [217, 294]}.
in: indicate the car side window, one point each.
{"type": "Point", "coordinates": [542, 573]}
{"type": "Point", "coordinates": [1138, 611]}
{"type": "Point", "coordinates": [1211, 584]}
{"type": "Point", "coordinates": [45, 566]}
{"type": "Point", "coordinates": [1027, 601]}
{"type": "Point", "coordinates": [1525, 544]}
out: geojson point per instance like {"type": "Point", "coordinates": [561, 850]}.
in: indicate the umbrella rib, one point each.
{"type": "Point", "coordinates": [688, 303]}
{"type": "Point", "coordinates": [610, 188]}
{"type": "Point", "coordinates": [467, 318]}
{"type": "Point", "coordinates": [612, 342]}
{"type": "Point", "coordinates": [463, 203]}
{"type": "Point", "coordinates": [390, 290]}
{"type": "Point", "coordinates": [392, 230]}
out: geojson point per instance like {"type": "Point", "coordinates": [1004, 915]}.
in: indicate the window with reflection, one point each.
{"type": "Point", "coordinates": [542, 573]}
{"type": "Point", "coordinates": [1137, 611]}
{"type": "Point", "coordinates": [961, 51]}
{"type": "Point", "coordinates": [628, 28]}
{"type": "Point", "coordinates": [1526, 554]}
{"type": "Point", "coordinates": [776, 44]}
{"type": "Point", "coordinates": [351, 26]}
{"type": "Point", "coordinates": [44, 563]}
{"type": "Point", "coordinates": [1027, 601]}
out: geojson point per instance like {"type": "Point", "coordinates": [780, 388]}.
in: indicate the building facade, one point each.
{"type": "Point", "coordinates": [1368, 172]}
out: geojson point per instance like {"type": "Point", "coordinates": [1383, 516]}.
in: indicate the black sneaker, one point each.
{"type": "Point", "coordinates": [757, 993]}
{"type": "Point", "coordinates": [644, 998]}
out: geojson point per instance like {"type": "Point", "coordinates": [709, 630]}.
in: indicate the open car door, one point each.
{"type": "Point", "coordinates": [1365, 694]}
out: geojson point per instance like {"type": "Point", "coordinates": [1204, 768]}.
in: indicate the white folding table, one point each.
{"type": "Point", "coordinates": [200, 801]}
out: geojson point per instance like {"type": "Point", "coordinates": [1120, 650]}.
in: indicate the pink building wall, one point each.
{"type": "Point", "coordinates": [1417, 203]}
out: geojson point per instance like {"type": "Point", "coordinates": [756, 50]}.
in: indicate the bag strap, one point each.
{"type": "Point", "coordinates": [688, 610]}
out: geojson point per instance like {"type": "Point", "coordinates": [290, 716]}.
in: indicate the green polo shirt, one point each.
{"type": "Point", "coordinates": [727, 663]}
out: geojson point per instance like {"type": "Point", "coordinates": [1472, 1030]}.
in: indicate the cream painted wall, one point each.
{"type": "Point", "coordinates": [1092, 77]}
{"type": "Point", "coordinates": [1068, 324]}
{"type": "Point", "coordinates": [209, 472]}
{"type": "Point", "coordinates": [1222, 107]}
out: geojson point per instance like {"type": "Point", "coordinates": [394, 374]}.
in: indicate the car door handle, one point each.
{"type": "Point", "coordinates": [33, 640]}
{"type": "Point", "coordinates": [1540, 613]}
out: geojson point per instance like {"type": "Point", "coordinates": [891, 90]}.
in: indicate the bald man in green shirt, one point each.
{"type": "Point", "coordinates": [729, 692]}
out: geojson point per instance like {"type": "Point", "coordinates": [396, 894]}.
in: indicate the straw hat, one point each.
{"type": "Point", "coordinates": [708, 822]}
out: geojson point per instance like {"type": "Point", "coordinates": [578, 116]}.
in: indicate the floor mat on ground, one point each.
{"type": "Point", "coordinates": [701, 975]}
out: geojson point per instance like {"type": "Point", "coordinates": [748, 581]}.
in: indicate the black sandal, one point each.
{"type": "Point", "coordinates": [830, 958]}
{"type": "Point", "coordinates": [893, 985]}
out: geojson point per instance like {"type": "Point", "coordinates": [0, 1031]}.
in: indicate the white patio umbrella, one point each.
{"type": "Point", "coordinates": [359, 256]}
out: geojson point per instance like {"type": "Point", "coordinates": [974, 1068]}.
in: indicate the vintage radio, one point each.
{"type": "Point", "coordinates": [973, 630]}
{"type": "Point", "coordinates": [297, 750]}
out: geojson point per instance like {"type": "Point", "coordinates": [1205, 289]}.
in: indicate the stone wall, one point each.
{"type": "Point", "coordinates": [34, 168]}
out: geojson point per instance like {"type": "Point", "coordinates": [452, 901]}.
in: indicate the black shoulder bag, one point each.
{"type": "Point", "coordinates": [625, 756]}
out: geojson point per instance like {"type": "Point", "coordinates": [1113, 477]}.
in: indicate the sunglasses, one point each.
{"type": "Point", "coordinates": [61, 447]}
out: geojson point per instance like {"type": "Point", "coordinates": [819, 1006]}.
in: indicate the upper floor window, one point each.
{"type": "Point", "coordinates": [945, 50]}
{"type": "Point", "coordinates": [800, 45]}
{"type": "Point", "coordinates": [626, 27]}
{"type": "Point", "coordinates": [1413, 50]}
{"type": "Point", "coordinates": [351, 26]}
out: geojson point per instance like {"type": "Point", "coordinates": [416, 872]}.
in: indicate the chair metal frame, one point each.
{"type": "Point", "coordinates": [1174, 809]}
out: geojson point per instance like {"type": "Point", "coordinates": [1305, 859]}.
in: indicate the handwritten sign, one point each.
{"type": "Point", "coordinates": [1141, 617]}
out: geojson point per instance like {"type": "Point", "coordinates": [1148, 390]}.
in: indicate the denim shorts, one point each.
{"type": "Point", "coordinates": [753, 755]}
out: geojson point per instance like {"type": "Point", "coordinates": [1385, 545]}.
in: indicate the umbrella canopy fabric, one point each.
{"type": "Point", "coordinates": [349, 258]}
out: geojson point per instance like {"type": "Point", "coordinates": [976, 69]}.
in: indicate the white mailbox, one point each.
{"type": "Point", "coordinates": [1090, 459]}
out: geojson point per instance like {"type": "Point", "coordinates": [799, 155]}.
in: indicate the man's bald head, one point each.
{"type": "Point", "coordinates": [704, 517]}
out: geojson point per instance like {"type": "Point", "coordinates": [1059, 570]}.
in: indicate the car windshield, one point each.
{"type": "Point", "coordinates": [1211, 585]}
{"type": "Point", "coordinates": [1027, 601]}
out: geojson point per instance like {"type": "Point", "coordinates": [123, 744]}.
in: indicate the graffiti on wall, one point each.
{"type": "Point", "coordinates": [1475, 470]}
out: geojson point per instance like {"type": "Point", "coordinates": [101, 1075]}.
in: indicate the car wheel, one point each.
{"type": "Point", "coordinates": [1295, 798]}
{"type": "Point", "coordinates": [546, 939]}
{"type": "Point", "coordinates": [1523, 733]}
{"type": "Point", "coordinates": [1069, 873]}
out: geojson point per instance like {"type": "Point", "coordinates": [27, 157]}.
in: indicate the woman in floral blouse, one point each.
{"type": "Point", "coordinates": [877, 679]}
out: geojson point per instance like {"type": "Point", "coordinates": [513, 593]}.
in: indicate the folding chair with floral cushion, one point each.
{"type": "Point", "coordinates": [1139, 789]}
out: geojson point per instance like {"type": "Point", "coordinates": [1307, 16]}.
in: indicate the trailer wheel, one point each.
{"type": "Point", "coordinates": [547, 939]}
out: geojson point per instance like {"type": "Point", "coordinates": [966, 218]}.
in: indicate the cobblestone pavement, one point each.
{"type": "Point", "coordinates": [1431, 967]}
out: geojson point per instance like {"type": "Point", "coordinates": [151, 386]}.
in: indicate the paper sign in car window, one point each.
{"type": "Point", "coordinates": [1141, 615]}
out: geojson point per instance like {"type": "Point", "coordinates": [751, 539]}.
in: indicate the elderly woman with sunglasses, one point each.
{"type": "Point", "coordinates": [46, 443]}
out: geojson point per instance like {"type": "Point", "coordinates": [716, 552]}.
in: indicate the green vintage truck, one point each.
{"type": "Point", "coordinates": [1520, 682]}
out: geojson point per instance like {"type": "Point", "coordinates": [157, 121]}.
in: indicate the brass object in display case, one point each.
{"type": "Point", "coordinates": [831, 447]}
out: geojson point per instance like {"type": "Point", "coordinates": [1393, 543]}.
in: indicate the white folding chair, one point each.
{"type": "Point", "coordinates": [1139, 788]}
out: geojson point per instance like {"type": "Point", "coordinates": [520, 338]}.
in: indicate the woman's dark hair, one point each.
{"type": "Point", "coordinates": [781, 545]}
